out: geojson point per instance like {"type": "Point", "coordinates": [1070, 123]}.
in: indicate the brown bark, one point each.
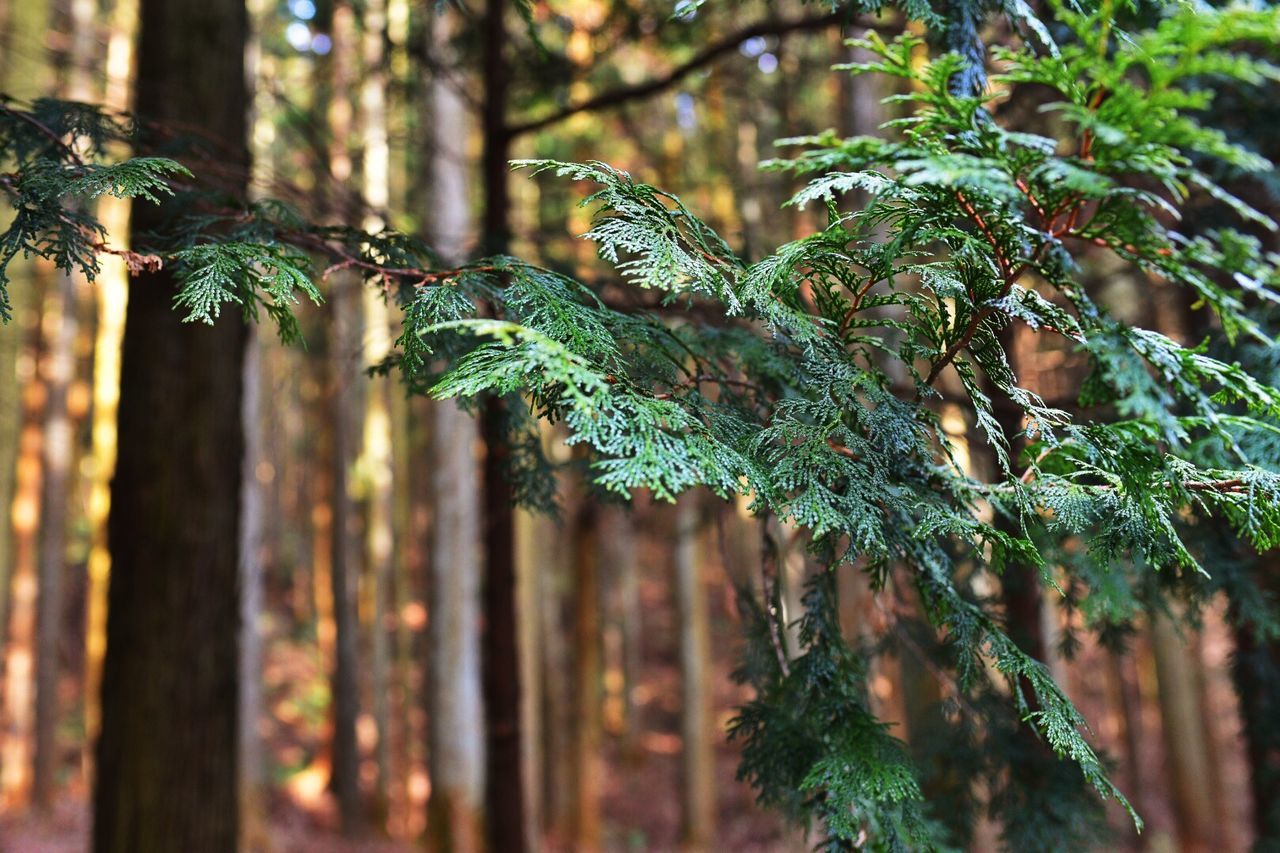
{"type": "Point", "coordinates": [698, 819]}
{"type": "Point", "coordinates": [345, 401]}
{"type": "Point", "coordinates": [504, 793]}
{"type": "Point", "coordinates": [24, 515]}
{"type": "Point", "coordinates": [1186, 743]}
{"type": "Point", "coordinates": [167, 768]}
{"type": "Point", "coordinates": [111, 291]}
{"type": "Point", "coordinates": [60, 323]}
{"type": "Point", "coordinates": [588, 775]}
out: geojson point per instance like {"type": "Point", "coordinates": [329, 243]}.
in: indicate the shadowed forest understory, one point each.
{"type": "Point", "coordinates": [573, 425]}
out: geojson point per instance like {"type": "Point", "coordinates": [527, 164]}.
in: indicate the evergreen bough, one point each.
{"type": "Point", "coordinates": [812, 379]}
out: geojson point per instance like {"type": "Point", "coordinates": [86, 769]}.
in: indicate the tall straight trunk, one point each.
{"type": "Point", "coordinates": [534, 557]}
{"type": "Point", "coordinates": [344, 567]}
{"type": "Point", "coordinates": [10, 426]}
{"type": "Point", "coordinates": [59, 369]}
{"type": "Point", "coordinates": [252, 790]}
{"type": "Point", "coordinates": [622, 629]}
{"type": "Point", "coordinates": [698, 823]}
{"type": "Point", "coordinates": [559, 795]}
{"type": "Point", "coordinates": [111, 290]}
{"type": "Point", "coordinates": [59, 451]}
{"type": "Point", "coordinates": [376, 461]}
{"type": "Point", "coordinates": [456, 743]}
{"type": "Point", "coordinates": [167, 755]}
{"type": "Point", "coordinates": [1186, 740]}
{"type": "Point", "coordinates": [24, 515]}
{"type": "Point", "coordinates": [255, 526]}
{"type": "Point", "coordinates": [456, 737]}
{"type": "Point", "coordinates": [345, 402]}
{"type": "Point", "coordinates": [588, 769]}
{"type": "Point", "coordinates": [505, 785]}
{"type": "Point", "coordinates": [412, 524]}
{"type": "Point", "coordinates": [1255, 669]}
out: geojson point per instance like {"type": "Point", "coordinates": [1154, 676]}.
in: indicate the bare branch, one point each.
{"type": "Point", "coordinates": [728, 44]}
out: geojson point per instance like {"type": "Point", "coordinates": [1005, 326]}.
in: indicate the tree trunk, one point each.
{"type": "Point", "coordinates": [698, 756]}
{"type": "Point", "coordinates": [1255, 668]}
{"type": "Point", "coordinates": [344, 408]}
{"type": "Point", "coordinates": [505, 784]}
{"type": "Point", "coordinates": [111, 290]}
{"type": "Point", "coordinates": [1186, 742]}
{"type": "Point", "coordinates": [376, 453]}
{"type": "Point", "coordinates": [622, 626]}
{"type": "Point", "coordinates": [60, 325]}
{"type": "Point", "coordinates": [59, 451]}
{"type": "Point", "coordinates": [535, 557]}
{"type": "Point", "coordinates": [456, 751]}
{"type": "Point", "coordinates": [167, 766]}
{"type": "Point", "coordinates": [345, 403]}
{"type": "Point", "coordinates": [19, 650]}
{"type": "Point", "coordinates": [253, 779]}
{"type": "Point", "coordinates": [588, 770]}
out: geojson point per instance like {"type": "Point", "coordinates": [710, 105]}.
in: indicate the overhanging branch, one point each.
{"type": "Point", "coordinates": [728, 44]}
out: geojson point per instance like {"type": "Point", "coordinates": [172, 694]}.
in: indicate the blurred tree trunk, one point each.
{"type": "Point", "coordinates": [504, 793]}
{"type": "Point", "coordinates": [253, 781]}
{"type": "Point", "coordinates": [24, 515]}
{"type": "Point", "coordinates": [534, 537]}
{"type": "Point", "coordinates": [560, 794]}
{"type": "Point", "coordinates": [456, 750]}
{"type": "Point", "coordinates": [111, 290]}
{"type": "Point", "coordinates": [345, 388]}
{"type": "Point", "coordinates": [1256, 670]}
{"type": "Point", "coordinates": [10, 426]}
{"type": "Point", "coordinates": [1122, 681]}
{"type": "Point", "coordinates": [622, 627]}
{"type": "Point", "coordinates": [61, 329]}
{"type": "Point", "coordinates": [167, 756]}
{"type": "Point", "coordinates": [588, 762]}
{"type": "Point", "coordinates": [59, 369]}
{"type": "Point", "coordinates": [1186, 743]}
{"type": "Point", "coordinates": [413, 513]}
{"type": "Point", "coordinates": [375, 455]}
{"type": "Point", "coordinates": [698, 824]}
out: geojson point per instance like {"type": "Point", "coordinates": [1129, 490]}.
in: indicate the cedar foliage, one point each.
{"type": "Point", "coordinates": [811, 378]}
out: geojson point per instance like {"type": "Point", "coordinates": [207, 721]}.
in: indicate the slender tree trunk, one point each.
{"type": "Point", "coordinates": [456, 750]}
{"type": "Point", "coordinates": [588, 769]}
{"type": "Point", "coordinates": [376, 461]}
{"type": "Point", "coordinates": [344, 407]}
{"type": "Point", "coordinates": [534, 559]}
{"type": "Point", "coordinates": [59, 452]}
{"type": "Point", "coordinates": [1255, 668]}
{"type": "Point", "coordinates": [345, 404]}
{"type": "Point", "coordinates": [10, 428]}
{"type": "Point", "coordinates": [19, 650]}
{"type": "Point", "coordinates": [698, 823]}
{"type": "Point", "coordinates": [111, 289]}
{"type": "Point", "coordinates": [621, 631]}
{"type": "Point", "coordinates": [60, 328]}
{"type": "Point", "coordinates": [505, 785]}
{"type": "Point", "coordinates": [254, 833]}
{"type": "Point", "coordinates": [559, 793]}
{"type": "Point", "coordinates": [1186, 744]}
{"type": "Point", "coordinates": [167, 756]}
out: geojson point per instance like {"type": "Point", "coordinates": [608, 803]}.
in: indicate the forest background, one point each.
{"type": "Point", "coordinates": [370, 670]}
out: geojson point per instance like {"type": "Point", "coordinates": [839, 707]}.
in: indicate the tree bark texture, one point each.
{"type": "Point", "coordinates": [167, 766]}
